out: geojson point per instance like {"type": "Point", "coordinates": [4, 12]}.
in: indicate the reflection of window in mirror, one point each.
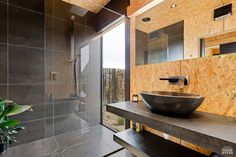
{"type": "Point", "coordinates": [165, 44]}
{"type": "Point", "coordinates": [219, 44]}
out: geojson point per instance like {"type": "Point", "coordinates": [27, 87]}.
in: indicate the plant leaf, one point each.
{"type": "Point", "coordinates": [17, 109]}
{"type": "Point", "coordinates": [10, 123]}
{"type": "Point", "coordinates": [6, 111]}
{"type": "Point", "coordinates": [7, 101]}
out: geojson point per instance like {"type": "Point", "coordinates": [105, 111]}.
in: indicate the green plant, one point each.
{"type": "Point", "coordinates": [9, 127]}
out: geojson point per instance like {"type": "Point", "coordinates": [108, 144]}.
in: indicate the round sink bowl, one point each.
{"type": "Point", "coordinates": [171, 103]}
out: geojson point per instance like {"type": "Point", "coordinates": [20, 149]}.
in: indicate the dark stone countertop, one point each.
{"type": "Point", "coordinates": [209, 131]}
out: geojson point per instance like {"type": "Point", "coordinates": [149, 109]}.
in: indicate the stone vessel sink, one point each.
{"type": "Point", "coordinates": [171, 103]}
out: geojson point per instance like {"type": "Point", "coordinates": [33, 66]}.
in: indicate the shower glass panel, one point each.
{"type": "Point", "coordinates": [90, 81]}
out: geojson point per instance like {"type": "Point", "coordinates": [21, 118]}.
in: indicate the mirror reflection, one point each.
{"type": "Point", "coordinates": [218, 44]}
{"type": "Point", "coordinates": [183, 29]}
{"type": "Point", "coordinates": [165, 44]}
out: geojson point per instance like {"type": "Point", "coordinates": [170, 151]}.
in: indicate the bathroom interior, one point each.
{"type": "Point", "coordinates": [118, 78]}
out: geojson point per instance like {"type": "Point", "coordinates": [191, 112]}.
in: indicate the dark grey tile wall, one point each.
{"type": "Point", "coordinates": [34, 41]}
{"type": "Point", "coordinates": [34, 5]}
{"type": "Point", "coordinates": [3, 91]}
{"type": "Point", "coordinates": [3, 64]}
{"type": "Point", "coordinates": [26, 65]}
{"type": "Point", "coordinates": [3, 23]}
{"type": "Point", "coordinates": [22, 62]}
{"type": "Point", "coordinates": [26, 28]}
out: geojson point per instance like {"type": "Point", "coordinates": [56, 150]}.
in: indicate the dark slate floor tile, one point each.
{"type": "Point", "coordinates": [33, 131]}
{"type": "Point", "coordinates": [35, 5]}
{"type": "Point", "coordinates": [3, 23]}
{"type": "Point", "coordinates": [122, 153]}
{"type": "Point", "coordinates": [77, 137]}
{"type": "Point", "coordinates": [3, 64]}
{"type": "Point", "coordinates": [3, 91]}
{"type": "Point", "coordinates": [27, 94]}
{"type": "Point", "coordinates": [39, 148]}
{"type": "Point", "coordinates": [26, 65]}
{"type": "Point", "coordinates": [89, 149]}
{"type": "Point", "coordinates": [86, 142]}
{"type": "Point", "coordinates": [26, 28]}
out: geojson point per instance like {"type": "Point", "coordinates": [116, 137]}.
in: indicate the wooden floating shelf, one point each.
{"type": "Point", "coordinates": [146, 144]}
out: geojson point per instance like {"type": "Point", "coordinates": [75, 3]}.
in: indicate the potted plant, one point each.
{"type": "Point", "coordinates": [9, 127]}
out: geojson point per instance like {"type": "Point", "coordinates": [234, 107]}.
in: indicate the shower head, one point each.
{"type": "Point", "coordinates": [76, 10]}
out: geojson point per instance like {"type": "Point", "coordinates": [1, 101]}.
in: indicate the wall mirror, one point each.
{"type": "Point", "coordinates": [218, 44]}
{"type": "Point", "coordinates": [184, 29]}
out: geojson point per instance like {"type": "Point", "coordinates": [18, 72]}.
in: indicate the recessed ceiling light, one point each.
{"type": "Point", "coordinates": [146, 19]}
{"type": "Point", "coordinates": [173, 5]}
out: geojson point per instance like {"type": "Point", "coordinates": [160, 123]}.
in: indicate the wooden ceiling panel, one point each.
{"type": "Point", "coordinates": [91, 5]}
{"type": "Point", "coordinates": [163, 15]}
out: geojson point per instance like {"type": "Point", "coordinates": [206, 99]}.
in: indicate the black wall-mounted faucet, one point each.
{"type": "Point", "coordinates": [177, 80]}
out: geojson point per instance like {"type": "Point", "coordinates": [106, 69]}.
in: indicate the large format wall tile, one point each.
{"type": "Point", "coordinates": [65, 106]}
{"type": "Point", "coordinates": [3, 22]}
{"type": "Point", "coordinates": [3, 91]}
{"type": "Point", "coordinates": [3, 64]}
{"type": "Point", "coordinates": [27, 94]}
{"type": "Point", "coordinates": [26, 28]}
{"type": "Point", "coordinates": [26, 65]}
{"type": "Point", "coordinates": [63, 67]}
{"type": "Point", "coordinates": [37, 113]}
{"type": "Point", "coordinates": [30, 95]}
{"type": "Point", "coordinates": [49, 33]}
{"type": "Point", "coordinates": [3, 1]}
{"type": "Point", "coordinates": [62, 35]}
{"type": "Point", "coordinates": [33, 131]}
{"type": "Point", "coordinates": [35, 5]}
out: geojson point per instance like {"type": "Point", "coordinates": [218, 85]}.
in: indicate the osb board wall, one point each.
{"type": "Point", "coordinates": [198, 20]}
{"type": "Point", "coordinates": [213, 77]}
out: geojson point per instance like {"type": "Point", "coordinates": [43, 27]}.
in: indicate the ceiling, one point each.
{"type": "Point", "coordinates": [92, 5]}
{"type": "Point", "coordinates": [163, 15]}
